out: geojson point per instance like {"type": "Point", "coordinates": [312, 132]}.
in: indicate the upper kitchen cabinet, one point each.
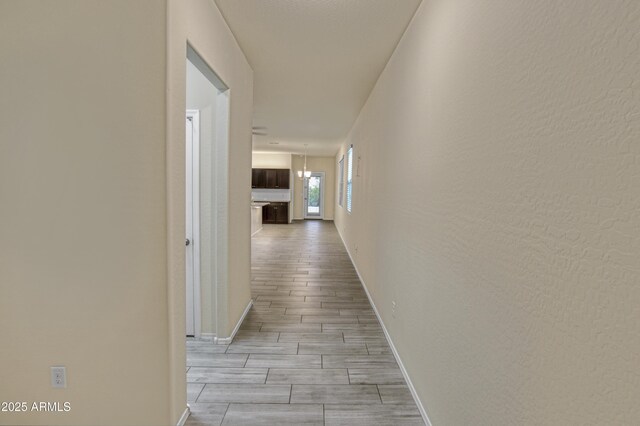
{"type": "Point", "coordinates": [270, 178]}
{"type": "Point", "coordinates": [282, 178]}
{"type": "Point", "coordinates": [258, 178]}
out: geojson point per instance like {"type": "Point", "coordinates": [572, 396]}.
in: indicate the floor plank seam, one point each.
{"type": "Point", "coordinates": [311, 310]}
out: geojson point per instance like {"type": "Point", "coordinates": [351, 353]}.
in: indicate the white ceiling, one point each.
{"type": "Point", "coordinates": [314, 62]}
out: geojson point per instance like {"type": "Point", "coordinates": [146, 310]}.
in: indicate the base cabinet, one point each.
{"type": "Point", "coordinates": [275, 213]}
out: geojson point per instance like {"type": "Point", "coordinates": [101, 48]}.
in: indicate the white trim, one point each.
{"type": "Point", "coordinates": [305, 200]}
{"type": "Point", "coordinates": [220, 218]}
{"type": "Point", "coordinates": [209, 337]}
{"type": "Point", "coordinates": [220, 243]}
{"type": "Point", "coordinates": [194, 114]}
{"type": "Point", "coordinates": [349, 190]}
{"type": "Point", "coordinates": [228, 340]}
{"type": "Point", "coordinates": [414, 394]}
{"type": "Point", "coordinates": [184, 416]}
{"type": "Point", "coordinates": [292, 194]}
{"type": "Point", "coordinates": [341, 182]}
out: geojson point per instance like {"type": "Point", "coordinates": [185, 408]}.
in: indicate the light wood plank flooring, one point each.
{"type": "Point", "coordinates": [310, 352]}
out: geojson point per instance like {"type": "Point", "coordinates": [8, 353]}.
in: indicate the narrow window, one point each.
{"type": "Point", "coordinates": [341, 180]}
{"type": "Point", "coordinates": [349, 177]}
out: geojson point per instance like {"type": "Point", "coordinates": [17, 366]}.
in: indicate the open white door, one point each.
{"type": "Point", "coordinates": [192, 222]}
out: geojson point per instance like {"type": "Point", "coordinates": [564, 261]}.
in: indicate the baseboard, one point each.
{"type": "Point", "coordinates": [257, 231]}
{"type": "Point", "coordinates": [414, 394]}
{"type": "Point", "coordinates": [184, 417]}
{"type": "Point", "coordinates": [207, 336]}
{"type": "Point", "coordinates": [228, 340]}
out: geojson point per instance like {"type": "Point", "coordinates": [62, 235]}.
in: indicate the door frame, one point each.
{"type": "Point", "coordinates": [194, 195]}
{"type": "Point", "coordinates": [305, 201]}
{"type": "Point", "coordinates": [220, 201]}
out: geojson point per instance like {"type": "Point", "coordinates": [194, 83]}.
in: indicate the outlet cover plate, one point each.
{"type": "Point", "coordinates": [58, 377]}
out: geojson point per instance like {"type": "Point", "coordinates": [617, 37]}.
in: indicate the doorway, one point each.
{"type": "Point", "coordinates": [206, 194]}
{"type": "Point", "coordinates": [313, 194]}
{"type": "Point", "coordinates": [192, 222]}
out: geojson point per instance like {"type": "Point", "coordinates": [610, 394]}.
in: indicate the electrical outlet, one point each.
{"type": "Point", "coordinates": [393, 308]}
{"type": "Point", "coordinates": [356, 248]}
{"type": "Point", "coordinates": [58, 377]}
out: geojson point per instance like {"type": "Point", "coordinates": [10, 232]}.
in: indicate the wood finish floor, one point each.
{"type": "Point", "coordinates": [310, 352]}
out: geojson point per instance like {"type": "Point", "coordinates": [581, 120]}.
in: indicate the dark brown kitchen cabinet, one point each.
{"type": "Point", "coordinates": [258, 178]}
{"type": "Point", "coordinates": [282, 213]}
{"type": "Point", "coordinates": [275, 213]}
{"type": "Point", "coordinates": [282, 178]}
{"type": "Point", "coordinates": [270, 178]}
{"type": "Point", "coordinates": [268, 214]}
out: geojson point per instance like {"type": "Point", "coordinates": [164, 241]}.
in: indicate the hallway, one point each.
{"type": "Point", "coordinates": [310, 352]}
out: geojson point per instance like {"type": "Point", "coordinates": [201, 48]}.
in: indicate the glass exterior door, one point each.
{"type": "Point", "coordinates": [313, 196]}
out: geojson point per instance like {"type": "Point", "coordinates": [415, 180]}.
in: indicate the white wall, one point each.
{"type": "Point", "coordinates": [83, 278]}
{"type": "Point", "coordinates": [92, 186]}
{"type": "Point", "coordinates": [498, 205]}
{"type": "Point", "coordinates": [271, 160]}
{"type": "Point", "coordinates": [200, 23]}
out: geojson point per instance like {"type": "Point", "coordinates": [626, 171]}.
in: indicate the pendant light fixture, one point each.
{"type": "Point", "coordinates": [304, 172]}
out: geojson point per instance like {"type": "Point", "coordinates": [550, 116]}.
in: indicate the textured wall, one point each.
{"type": "Point", "coordinates": [271, 160]}
{"type": "Point", "coordinates": [83, 279]}
{"type": "Point", "coordinates": [200, 23]}
{"type": "Point", "coordinates": [498, 204]}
